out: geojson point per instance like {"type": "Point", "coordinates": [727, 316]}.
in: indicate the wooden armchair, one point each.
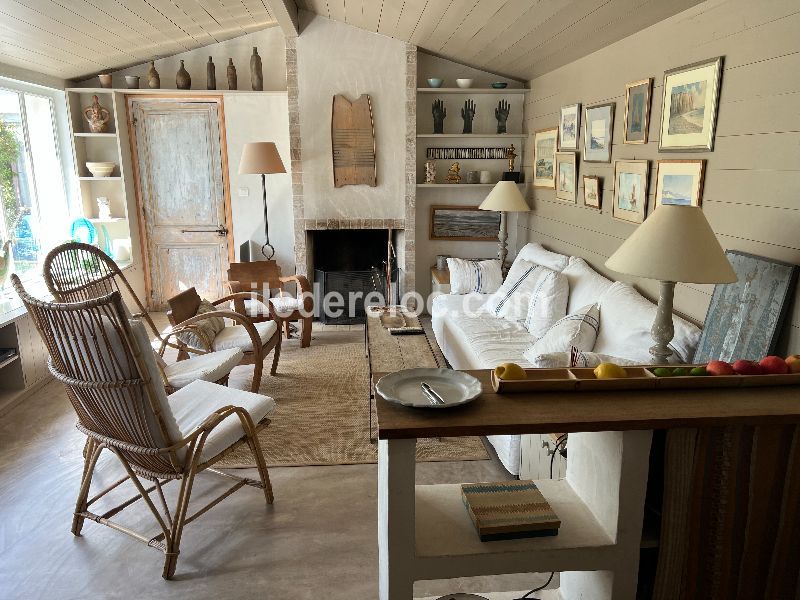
{"type": "Point", "coordinates": [264, 276]}
{"type": "Point", "coordinates": [255, 340]}
{"type": "Point", "coordinates": [104, 360]}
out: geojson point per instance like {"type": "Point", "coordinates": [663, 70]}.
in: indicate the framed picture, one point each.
{"type": "Point", "coordinates": [637, 111]}
{"type": "Point", "coordinates": [689, 109]}
{"type": "Point", "coordinates": [544, 151]}
{"type": "Point", "coordinates": [630, 190]}
{"type": "Point", "coordinates": [566, 176]}
{"type": "Point", "coordinates": [569, 126]}
{"type": "Point", "coordinates": [598, 127]}
{"type": "Point", "coordinates": [591, 191]}
{"type": "Point", "coordinates": [464, 223]}
{"type": "Point", "coordinates": [680, 182]}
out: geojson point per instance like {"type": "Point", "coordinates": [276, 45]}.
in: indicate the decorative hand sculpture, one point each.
{"type": "Point", "coordinates": [468, 113]}
{"type": "Point", "coordinates": [501, 114]}
{"type": "Point", "coordinates": [439, 113]}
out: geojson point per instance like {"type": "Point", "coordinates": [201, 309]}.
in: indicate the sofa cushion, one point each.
{"type": "Point", "coordinates": [531, 293]}
{"type": "Point", "coordinates": [474, 276]}
{"type": "Point", "coordinates": [626, 318]}
{"type": "Point", "coordinates": [556, 360]}
{"type": "Point", "coordinates": [585, 284]}
{"type": "Point", "coordinates": [208, 367]}
{"type": "Point", "coordinates": [236, 336]}
{"type": "Point", "coordinates": [535, 252]}
{"type": "Point", "coordinates": [578, 330]}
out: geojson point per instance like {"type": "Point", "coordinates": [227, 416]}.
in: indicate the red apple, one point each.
{"type": "Point", "coordinates": [747, 367]}
{"type": "Point", "coordinates": [719, 367]}
{"type": "Point", "coordinates": [794, 363]}
{"type": "Point", "coordinates": [774, 365]}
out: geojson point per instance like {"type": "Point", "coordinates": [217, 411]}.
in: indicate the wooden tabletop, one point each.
{"type": "Point", "coordinates": [441, 276]}
{"type": "Point", "coordinates": [543, 412]}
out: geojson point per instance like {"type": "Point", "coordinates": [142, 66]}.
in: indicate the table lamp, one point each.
{"type": "Point", "coordinates": [505, 197]}
{"type": "Point", "coordinates": [675, 244]}
{"type": "Point", "coordinates": [262, 158]}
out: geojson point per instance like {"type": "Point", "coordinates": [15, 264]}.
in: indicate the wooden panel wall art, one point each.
{"type": "Point", "coordinates": [353, 141]}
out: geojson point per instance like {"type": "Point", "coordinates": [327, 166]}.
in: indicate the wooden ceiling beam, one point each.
{"type": "Point", "coordinates": [285, 13]}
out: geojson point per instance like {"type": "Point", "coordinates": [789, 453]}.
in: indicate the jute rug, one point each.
{"type": "Point", "coordinates": [321, 415]}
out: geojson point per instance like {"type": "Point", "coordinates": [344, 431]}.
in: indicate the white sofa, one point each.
{"type": "Point", "coordinates": [471, 338]}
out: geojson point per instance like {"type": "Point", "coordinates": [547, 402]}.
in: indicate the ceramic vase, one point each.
{"type": "Point", "coordinates": [105, 80]}
{"type": "Point", "coordinates": [153, 80]}
{"type": "Point", "coordinates": [183, 81]}
{"type": "Point", "coordinates": [211, 75]}
{"type": "Point", "coordinates": [256, 74]}
{"type": "Point", "coordinates": [97, 116]}
{"type": "Point", "coordinates": [232, 80]}
{"type": "Point", "coordinates": [132, 81]}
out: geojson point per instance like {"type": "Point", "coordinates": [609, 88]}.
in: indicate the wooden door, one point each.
{"type": "Point", "coordinates": [184, 207]}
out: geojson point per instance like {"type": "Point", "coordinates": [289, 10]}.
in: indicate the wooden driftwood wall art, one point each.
{"type": "Point", "coordinates": [467, 153]}
{"type": "Point", "coordinates": [353, 141]}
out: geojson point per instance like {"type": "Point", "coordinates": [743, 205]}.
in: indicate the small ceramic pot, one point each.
{"type": "Point", "coordinates": [132, 81]}
{"type": "Point", "coordinates": [473, 176]}
{"type": "Point", "coordinates": [435, 82]}
{"type": "Point", "coordinates": [486, 177]}
{"type": "Point", "coordinates": [105, 80]}
{"type": "Point", "coordinates": [500, 85]}
{"type": "Point", "coordinates": [464, 83]}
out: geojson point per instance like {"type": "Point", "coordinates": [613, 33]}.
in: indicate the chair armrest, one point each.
{"type": "Point", "coordinates": [252, 295]}
{"type": "Point", "coordinates": [300, 280]}
{"type": "Point", "coordinates": [233, 316]}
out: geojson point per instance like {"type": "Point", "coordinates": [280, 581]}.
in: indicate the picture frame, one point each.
{"type": "Point", "coordinates": [567, 176]}
{"type": "Point", "coordinates": [680, 182]}
{"type": "Point", "coordinates": [545, 143]}
{"type": "Point", "coordinates": [592, 192]}
{"type": "Point", "coordinates": [689, 107]}
{"type": "Point", "coordinates": [630, 190]}
{"type": "Point", "coordinates": [463, 224]}
{"type": "Point", "coordinates": [598, 132]}
{"type": "Point", "coordinates": [638, 98]}
{"type": "Point", "coordinates": [569, 127]}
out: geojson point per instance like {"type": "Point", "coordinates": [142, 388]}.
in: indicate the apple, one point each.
{"type": "Point", "coordinates": [774, 365]}
{"type": "Point", "coordinates": [719, 367]}
{"type": "Point", "coordinates": [793, 362]}
{"type": "Point", "coordinates": [747, 367]}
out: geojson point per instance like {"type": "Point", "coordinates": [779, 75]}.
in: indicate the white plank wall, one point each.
{"type": "Point", "coordinates": [752, 189]}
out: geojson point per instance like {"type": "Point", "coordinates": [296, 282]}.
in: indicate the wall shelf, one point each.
{"type": "Point", "coordinates": [458, 185]}
{"type": "Point", "coordinates": [429, 90]}
{"type": "Point", "coordinates": [96, 135]}
{"type": "Point", "coordinates": [515, 136]}
{"type": "Point", "coordinates": [113, 178]}
{"type": "Point", "coordinates": [9, 360]}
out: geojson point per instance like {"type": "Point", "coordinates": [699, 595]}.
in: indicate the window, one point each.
{"type": "Point", "coordinates": [35, 211]}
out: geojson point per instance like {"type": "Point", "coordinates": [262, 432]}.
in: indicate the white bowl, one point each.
{"type": "Point", "coordinates": [101, 169]}
{"type": "Point", "coordinates": [464, 83]}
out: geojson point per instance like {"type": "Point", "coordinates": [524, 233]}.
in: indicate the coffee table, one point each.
{"type": "Point", "coordinates": [387, 353]}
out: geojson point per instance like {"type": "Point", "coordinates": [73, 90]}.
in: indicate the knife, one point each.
{"type": "Point", "coordinates": [431, 394]}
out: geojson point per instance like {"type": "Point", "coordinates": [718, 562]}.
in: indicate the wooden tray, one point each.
{"type": "Point", "coordinates": [639, 378]}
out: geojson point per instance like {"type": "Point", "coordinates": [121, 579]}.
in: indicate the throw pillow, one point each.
{"type": "Point", "coordinates": [532, 294]}
{"type": "Point", "coordinates": [201, 334]}
{"type": "Point", "coordinates": [556, 360]}
{"type": "Point", "coordinates": [586, 285]}
{"type": "Point", "coordinates": [474, 275]}
{"type": "Point", "coordinates": [578, 329]}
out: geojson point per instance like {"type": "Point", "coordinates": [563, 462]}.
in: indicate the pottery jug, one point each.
{"type": "Point", "coordinates": [183, 80]}
{"type": "Point", "coordinates": [211, 75]}
{"type": "Point", "coordinates": [232, 80]}
{"type": "Point", "coordinates": [97, 116]}
{"type": "Point", "coordinates": [256, 74]}
{"type": "Point", "coordinates": [153, 80]}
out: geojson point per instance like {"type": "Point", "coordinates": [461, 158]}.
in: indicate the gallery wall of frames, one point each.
{"type": "Point", "coordinates": [697, 110]}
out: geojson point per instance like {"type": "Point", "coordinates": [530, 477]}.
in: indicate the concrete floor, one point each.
{"type": "Point", "coordinates": [319, 540]}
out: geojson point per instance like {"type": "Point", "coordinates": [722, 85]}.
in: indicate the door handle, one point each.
{"type": "Point", "coordinates": [221, 230]}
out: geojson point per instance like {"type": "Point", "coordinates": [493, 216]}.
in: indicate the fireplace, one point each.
{"type": "Point", "coordinates": [351, 265]}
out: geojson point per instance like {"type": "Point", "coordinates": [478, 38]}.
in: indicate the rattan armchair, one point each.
{"type": "Point", "coordinates": [112, 381]}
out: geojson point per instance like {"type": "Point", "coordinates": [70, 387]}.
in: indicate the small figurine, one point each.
{"type": "Point", "coordinates": [430, 171]}
{"type": "Point", "coordinates": [454, 173]}
{"type": "Point", "coordinates": [153, 79]}
{"type": "Point", "coordinates": [97, 116]}
{"type": "Point", "coordinates": [183, 81]}
{"type": "Point", "coordinates": [256, 73]}
{"type": "Point", "coordinates": [232, 78]}
{"type": "Point", "coordinates": [468, 114]}
{"type": "Point", "coordinates": [211, 74]}
{"type": "Point", "coordinates": [501, 114]}
{"type": "Point", "coordinates": [511, 156]}
{"type": "Point", "coordinates": [103, 208]}
{"type": "Point", "coordinates": [439, 114]}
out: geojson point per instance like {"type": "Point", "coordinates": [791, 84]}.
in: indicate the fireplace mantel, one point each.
{"type": "Point", "coordinates": [322, 224]}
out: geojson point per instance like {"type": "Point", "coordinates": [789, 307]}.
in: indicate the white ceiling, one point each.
{"type": "Point", "coordinates": [77, 38]}
{"type": "Point", "coordinates": [517, 38]}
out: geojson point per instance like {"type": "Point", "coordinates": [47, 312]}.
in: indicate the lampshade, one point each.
{"type": "Point", "coordinates": [261, 157]}
{"type": "Point", "coordinates": [506, 197]}
{"type": "Point", "coordinates": [677, 244]}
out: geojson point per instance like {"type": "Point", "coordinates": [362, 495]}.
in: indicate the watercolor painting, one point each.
{"type": "Point", "coordinates": [637, 111]}
{"type": "Point", "coordinates": [569, 125]}
{"type": "Point", "coordinates": [677, 189]}
{"type": "Point", "coordinates": [598, 131]}
{"type": "Point", "coordinates": [630, 191]}
{"type": "Point", "coordinates": [687, 108]}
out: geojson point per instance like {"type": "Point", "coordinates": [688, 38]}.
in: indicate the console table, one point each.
{"type": "Point", "coordinates": [424, 531]}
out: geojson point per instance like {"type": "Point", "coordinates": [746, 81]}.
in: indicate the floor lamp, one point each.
{"type": "Point", "coordinates": [505, 197]}
{"type": "Point", "coordinates": [262, 158]}
{"type": "Point", "coordinates": [675, 244]}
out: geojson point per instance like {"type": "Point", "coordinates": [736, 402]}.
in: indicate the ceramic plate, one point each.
{"type": "Point", "coordinates": [403, 387]}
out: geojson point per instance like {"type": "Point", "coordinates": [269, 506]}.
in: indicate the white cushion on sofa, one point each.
{"type": "Point", "coordinates": [626, 318]}
{"type": "Point", "coordinates": [585, 284]}
{"type": "Point", "coordinates": [534, 252]}
{"type": "Point", "coordinates": [474, 276]}
{"type": "Point", "coordinates": [578, 330]}
{"type": "Point", "coordinates": [556, 360]}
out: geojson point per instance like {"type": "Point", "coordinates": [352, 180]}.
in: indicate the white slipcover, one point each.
{"type": "Point", "coordinates": [236, 336]}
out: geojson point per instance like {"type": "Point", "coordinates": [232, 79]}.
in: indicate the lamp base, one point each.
{"type": "Point", "coordinates": [663, 330]}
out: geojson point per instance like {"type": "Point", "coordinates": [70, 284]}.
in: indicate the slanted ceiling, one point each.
{"type": "Point", "coordinates": [518, 38]}
{"type": "Point", "coordinates": [72, 39]}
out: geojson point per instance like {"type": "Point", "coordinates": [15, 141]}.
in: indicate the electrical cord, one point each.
{"type": "Point", "coordinates": [560, 441]}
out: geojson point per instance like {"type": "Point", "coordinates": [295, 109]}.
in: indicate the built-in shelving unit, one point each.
{"type": "Point", "coordinates": [456, 185]}
{"type": "Point", "coordinates": [442, 90]}
{"type": "Point", "coordinates": [472, 135]}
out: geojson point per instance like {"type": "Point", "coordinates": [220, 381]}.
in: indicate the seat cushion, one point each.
{"type": "Point", "coordinates": [492, 341]}
{"type": "Point", "coordinates": [236, 336]}
{"type": "Point", "coordinates": [208, 367]}
{"type": "Point", "coordinates": [474, 276]}
{"type": "Point", "coordinates": [255, 308]}
{"type": "Point", "coordinates": [194, 403]}
{"type": "Point", "coordinates": [576, 330]}
{"type": "Point", "coordinates": [285, 305]}
{"type": "Point", "coordinates": [585, 284]}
